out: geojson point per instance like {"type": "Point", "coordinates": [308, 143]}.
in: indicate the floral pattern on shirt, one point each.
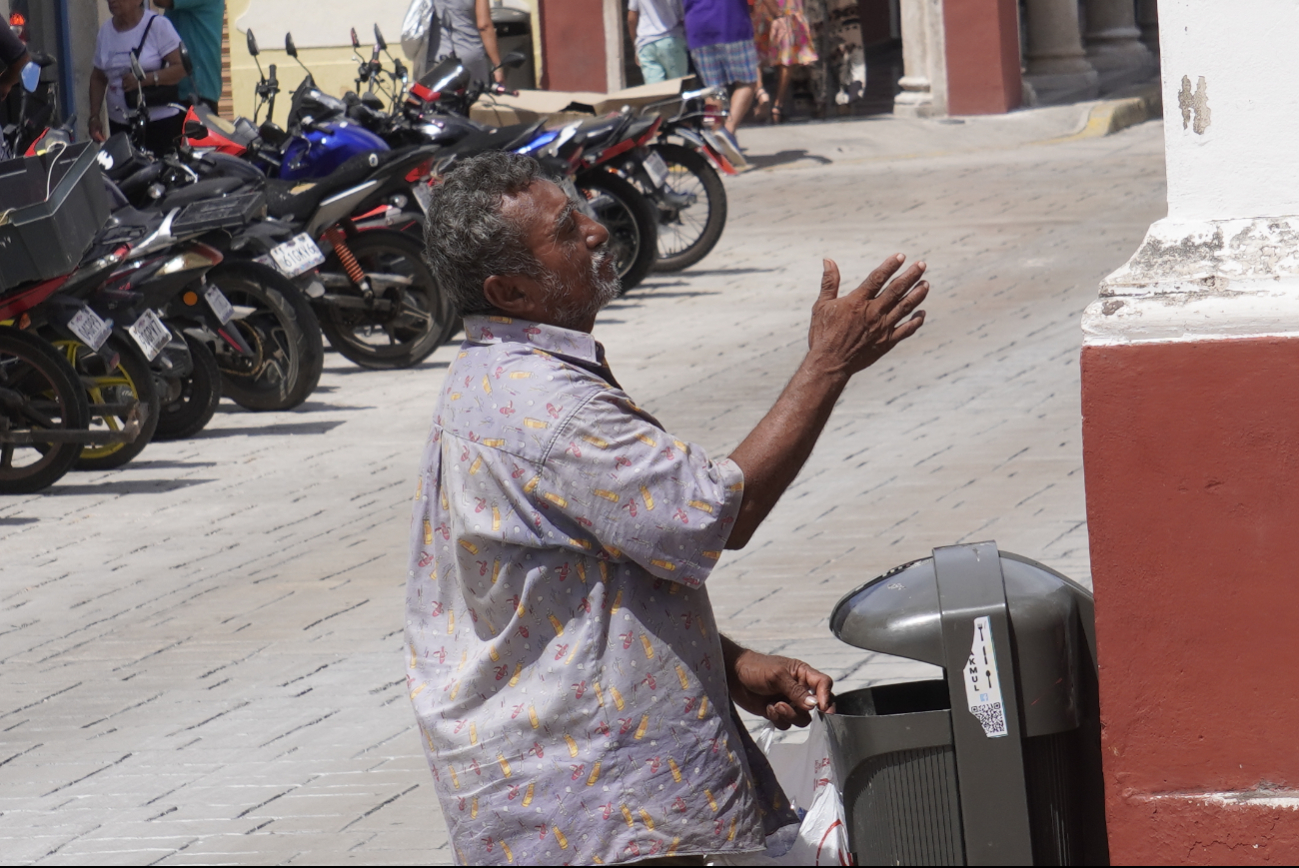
{"type": "Point", "coordinates": [564, 663]}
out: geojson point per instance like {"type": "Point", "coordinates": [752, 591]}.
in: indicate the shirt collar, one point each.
{"type": "Point", "coordinates": [552, 339]}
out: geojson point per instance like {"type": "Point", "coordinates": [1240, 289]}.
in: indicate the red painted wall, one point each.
{"type": "Point", "coordinates": [982, 56]}
{"type": "Point", "coordinates": [1191, 453]}
{"type": "Point", "coordinates": [572, 45]}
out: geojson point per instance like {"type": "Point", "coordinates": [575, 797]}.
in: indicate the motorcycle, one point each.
{"type": "Point", "coordinates": [436, 109]}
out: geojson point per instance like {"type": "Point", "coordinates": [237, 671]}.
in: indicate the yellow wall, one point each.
{"type": "Point", "coordinates": [334, 68]}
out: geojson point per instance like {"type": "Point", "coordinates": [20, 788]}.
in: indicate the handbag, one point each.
{"type": "Point", "coordinates": [414, 32]}
{"type": "Point", "coordinates": [156, 94]}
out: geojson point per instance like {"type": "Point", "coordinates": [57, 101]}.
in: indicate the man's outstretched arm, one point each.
{"type": "Point", "coordinates": [848, 334]}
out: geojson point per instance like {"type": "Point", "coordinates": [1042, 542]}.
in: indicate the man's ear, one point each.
{"type": "Point", "coordinates": [513, 294]}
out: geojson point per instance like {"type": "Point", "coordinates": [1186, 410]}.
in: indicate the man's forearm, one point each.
{"type": "Point", "coordinates": [776, 450]}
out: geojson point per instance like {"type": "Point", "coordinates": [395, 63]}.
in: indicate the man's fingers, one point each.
{"type": "Point", "coordinates": [875, 281]}
{"type": "Point", "coordinates": [784, 716]}
{"type": "Point", "coordinates": [909, 302]}
{"type": "Point", "coordinates": [829, 279]}
{"type": "Point", "coordinates": [908, 328]}
{"type": "Point", "coordinates": [902, 284]}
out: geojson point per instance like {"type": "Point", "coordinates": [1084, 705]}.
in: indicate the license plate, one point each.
{"type": "Point", "coordinates": [150, 334]}
{"type": "Point", "coordinates": [658, 170]}
{"type": "Point", "coordinates": [297, 255]}
{"type": "Point", "coordinates": [89, 328]}
{"type": "Point", "coordinates": [220, 304]}
{"type": "Point", "coordinates": [423, 195]}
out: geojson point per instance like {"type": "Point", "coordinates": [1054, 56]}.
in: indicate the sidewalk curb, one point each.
{"type": "Point", "coordinates": [1108, 117]}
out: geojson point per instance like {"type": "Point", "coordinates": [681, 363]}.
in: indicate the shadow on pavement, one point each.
{"type": "Point", "coordinates": [15, 521]}
{"type": "Point", "coordinates": [766, 161]}
{"type": "Point", "coordinates": [347, 367]}
{"type": "Point", "coordinates": [132, 486]}
{"type": "Point", "coordinates": [323, 427]}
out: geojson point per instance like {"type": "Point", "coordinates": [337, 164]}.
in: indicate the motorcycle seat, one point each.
{"type": "Point", "coordinates": [295, 200]}
{"type": "Point", "coordinates": [500, 139]}
{"type": "Point", "coordinates": [206, 189]}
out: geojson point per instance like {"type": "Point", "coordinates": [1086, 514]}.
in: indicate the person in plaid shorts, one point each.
{"type": "Point", "coordinates": [720, 36]}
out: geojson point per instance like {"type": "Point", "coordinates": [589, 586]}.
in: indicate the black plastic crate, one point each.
{"type": "Point", "coordinates": [51, 207]}
{"type": "Point", "coordinates": [226, 212]}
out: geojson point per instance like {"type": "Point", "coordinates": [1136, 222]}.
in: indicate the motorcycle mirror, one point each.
{"type": "Point", "coordinates": [514, 59]}
{"type": "Point", "coordinates": [196, 130]}
{"type": "Point", "coordinates": [136, 69]}
{"type": "Point", "coordinates": [252, 43]}
{"type": "Point", "coordinates": [289, 47]}
{"type": "Point", "coordinates": [186, 61]}
{"type": "Point", "coordinates": [31, 77]}
{"type": "Point", "coordinates": [378, 38]}
{"type": "Point", "coordinates": [356, 43]}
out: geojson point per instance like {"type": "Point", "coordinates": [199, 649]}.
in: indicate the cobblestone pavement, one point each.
{"type": "Point", "coordinates": [200, 653]}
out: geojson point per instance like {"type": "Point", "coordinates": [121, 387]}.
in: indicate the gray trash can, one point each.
{"type": "Point", "coordinates": [998, 762]}
{"type": "Point", "coordinates": [514, 33]}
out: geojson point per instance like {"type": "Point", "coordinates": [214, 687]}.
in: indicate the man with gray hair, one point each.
{"type": "Point", "coordinates": [575, 698]}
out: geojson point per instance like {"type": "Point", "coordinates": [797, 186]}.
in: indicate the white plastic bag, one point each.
{"type": "Point", "coordinates": [806, 774]}
{"type": "Point", "coordinates": [414, 31]}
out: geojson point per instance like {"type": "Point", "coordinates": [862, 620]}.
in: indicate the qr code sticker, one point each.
{"type": "Point", "coordinates": [991, 717]}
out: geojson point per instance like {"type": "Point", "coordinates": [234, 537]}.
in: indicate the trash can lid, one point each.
{"type": "Point", "coordinates": [898, 613]}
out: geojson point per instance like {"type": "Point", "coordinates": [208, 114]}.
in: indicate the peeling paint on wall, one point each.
{"type": "Point", "coordinates": [1196, 104]}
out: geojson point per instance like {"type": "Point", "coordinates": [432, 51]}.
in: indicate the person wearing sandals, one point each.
{"type": "Point", "coordinates": [783, 40]}
{"type": "Point", "coordinates": [720, 36]}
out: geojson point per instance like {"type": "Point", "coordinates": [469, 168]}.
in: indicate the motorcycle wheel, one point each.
{"type": "Point", "coordinates": [38, 389]}
{"type": "Point", "coordinates": [687, 235]}
{"type": "Point", "coordinates": [631, 219]}
{"type": "Point", "coordinates": [276, 320]}
{"type": "Point", "coordinates": [130, 379]}
{"type": "Point", "coordinates": [188, 403]}
{"type": "Point", "coordinates": [420, 319]}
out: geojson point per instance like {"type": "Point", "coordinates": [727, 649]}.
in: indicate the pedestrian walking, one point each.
{"type": "Point", "coordinates": [575, 698]}
{"type": "Point", "coordinates": [658, 29]}
{"type": "Point", "coordinates": [720, 36]}
{"type": "Point", "coordinates": [132, 28]}
{"type": "Point", "coordinates": [199, 24]}
{"type": "Point", "coordinates": [464, 29]}
{"type": "Point", "coordinates": [784, 41]}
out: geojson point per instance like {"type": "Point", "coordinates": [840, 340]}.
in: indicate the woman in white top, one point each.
{"type": "Point", "coordinates": [132, 28]}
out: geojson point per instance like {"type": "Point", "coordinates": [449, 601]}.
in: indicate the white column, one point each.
{"type": "Point", "coordinates": [615, 78]}
{"type": "Point", "coordinates": [1114, 42]}
{"type": "Point", "coordinates": [1225, 261]}
{"type": "Point", "coordinates": [924, 60]}
{"type": "Point", "coordinates": [1058, 70]}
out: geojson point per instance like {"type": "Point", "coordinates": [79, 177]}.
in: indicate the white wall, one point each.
{"type": "Point", "coordinates": [1244, 163]}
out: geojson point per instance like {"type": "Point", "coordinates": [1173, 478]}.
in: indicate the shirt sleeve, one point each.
{"type": "Point", "coordinates": [164, 37]}
{"type": "Point", "coordinates": [640, 493]}
{"type": "Point", "coordinates": [633, 6]}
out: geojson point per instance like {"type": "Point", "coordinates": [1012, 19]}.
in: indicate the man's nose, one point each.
{"type": "Point", "coordinates": [596, 234]}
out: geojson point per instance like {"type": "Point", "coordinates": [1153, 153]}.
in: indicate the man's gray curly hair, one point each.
{"type": "Point", "coordinates": [467, 239]}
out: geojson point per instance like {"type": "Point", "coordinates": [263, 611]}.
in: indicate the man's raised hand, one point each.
{"type": "Point", "coordinates": [852, 332]}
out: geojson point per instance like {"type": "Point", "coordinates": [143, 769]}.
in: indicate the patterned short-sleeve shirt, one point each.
{"type": "Point", "coordinates": [564, 663]}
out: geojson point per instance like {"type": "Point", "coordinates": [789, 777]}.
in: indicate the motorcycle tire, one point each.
{"type": "Point", "coordinates": [38, 389]}
{"type": "Point", "coordinates": [131, 378]}
{"type": "Point", "coordinates": [632, 221]}
{"type": "Point", "coordinates": [276, 320]}
{"type": "Point", "coordinates": [421, 319]}
{"type": "Point", "coordinates": [687, 235]}
{"type": "Point", "coordinates": [188, 403]}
